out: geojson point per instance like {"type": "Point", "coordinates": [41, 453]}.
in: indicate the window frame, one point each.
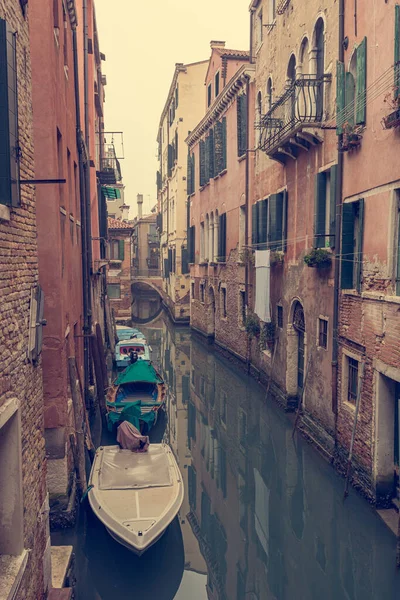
{"type": "Point", "coordinates": [323, 335]}
{"type": "Point", "coordinates": [116, 286]}
{"type": "Point", "coordinates": [279, 316]}
{"type": "Point", "coordinates": [224, 302]}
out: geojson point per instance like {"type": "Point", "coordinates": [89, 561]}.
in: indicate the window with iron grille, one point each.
{"type": "Point", "coordinates": [114, 291]}
{"type": "Point", "coordinates": [242, 307]}
{"type": "Point", "coordinates": [352, 384]}
{"type": "Point", "coordinates": [279, 311]}
{"type": "Point", "coordinates": [323, 333]}
{"type": "Point", "coordinates": [202, 292]}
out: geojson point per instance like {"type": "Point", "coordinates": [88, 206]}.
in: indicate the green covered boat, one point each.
{"type": "Point", "coordinates": [137, 395]}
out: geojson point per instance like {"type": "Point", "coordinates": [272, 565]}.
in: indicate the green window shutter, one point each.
{"type": "Point", "coordinates": [184, 261]}
{"type": "Point", "coordinates": [361, 83]}
{"type": "Point", "coordinates": [166, 271]}
{"type": "Point", "coordinates": [207, 159]}
{"type": "Point", "coordinates": [285, 220]}
{"type": "Point", "coordinates": [360, 236]}
{"type": "Point", "coordinates": [243, 120]}
{"type": "Point", "coordinates": [262, 222]}
{"type": "Point", "coordinates": [218, 147]}
{"type": "Point", "coordinates": [397, 51]}
{"type": "Point", "coordinates": [320, 210]}
{"type": "Point", "coordinates": [191, 243]}
{"type": "Point", "coordinates": [254, 225]}
{"type": "Point", "coordinates": [202, 163]}
{"type": "Point", "coordinates": [350, 97]}
{"type": "Point", "coordinates": [193, 175]}
{"type": "Point", "coordinates": [222, 238]}
{"type": "Point", "coordinates": [189, 190]}
{"type": "Point", "coordinates": [170, 159]}
{"type": "Point", "coordinates": [239, 124]}
{"type": "Point", "coordinates": [346, 276]}
{"type": "Point", "coordinates": [340, 97]}
{"type": "Point", "coordinates": [275, 221]}
{"type": "Point", "coordinates": [332, 205]}
{"type": "Point", "coordinates": [170, 269]}
{"type": "Point", "coordinates": [9, 164]}
{"type": "Point", "coordinates": [211, 154]}
{"type": "Point", "coordinates": [224, 158]}
{"type": "Point", "coordinates": [121, 249]}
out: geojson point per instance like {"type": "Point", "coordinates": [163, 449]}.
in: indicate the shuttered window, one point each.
{"type": "Point", "coordinates": [9, 153]}
{"type": "Point", "coordinates": [262, 224]}
{"type": "Point", "coordinates": [224, 143]}
{"type": "Point", "coordinates": [352, 240]}
{"type": "Point", "coordinates": [191, 243]}
{"type": "Point", "coordinates": [211, 155]}
{"type": "Point", "coordinates": [361, 83]}
{"type": "Point", "coordinates": [340, 97]}
{"type": "Point", "coordinates": [202, 163]}
{"type": "Point", "coordinates": [193, 175]}
{"type": "Point", "coordinates": [325, 208]}
{"type": "Point", "coordinates": [184, 260]}
{"type": "Point", "coordinates": [218, 147]}
{"type": "Point", "coordinates": [170, 159]}
{"type": "Point", "coordinates": [254, 225]}
{"type": "Point", "coordinates": [121, 249]}
{"type": "Point", "coordinates": [222, 238]}
{"type": "Point", "coordinates": [166, 268]}
{"type": "Point", "coordinates": [241, 108]}
{"type": "Point", "coordinates": [189, 175]}
{"type": "Point", "coordinates": [159, 181]}
{"type": "Point", "coordinates": [269, 223]}
{"type": "Point", "coordinates": [397, 51]}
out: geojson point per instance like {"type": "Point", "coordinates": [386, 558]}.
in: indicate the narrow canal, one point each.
{"type": "Point", "coordinates": [263, 517]}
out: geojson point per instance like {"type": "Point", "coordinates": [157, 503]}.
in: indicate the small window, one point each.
{"type": "Point", "coordinates": [323, 333]}
{"type": "Point", "coordinates": [352, 384]}
{"type": "Point", "coordinates": [279, 310]}
{"type": "Point", "coordinates": [242, 308]}
{"type": "Point", "coordinates": [223, 302]}
{"type": "Point", "coordinates": [209, 94]}
{"type": "Point", "coordinates": [325, 208]}
{"type": "Point", "coordinates": [217, 84]}
{"type": "Point", "coordinates": [224, 408]}
{"type": "Point", "coordinates": [202, 292]}
{"type": "Point", "coordinates": [193, 293]}
{"type": "Point", "coordinates": [114, 291]}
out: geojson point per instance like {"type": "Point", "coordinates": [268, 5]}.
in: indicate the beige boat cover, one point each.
{"type": "Point", "coordinates": [126, 470]}
{"type": "Point", "coordinates": [130, 438]}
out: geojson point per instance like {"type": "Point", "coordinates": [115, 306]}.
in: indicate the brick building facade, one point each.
{"type": "Point", "coordinates": [120, 264]}
{"type": "Point", "coordinates": [369, 351]}
{"type": "Point", "coordinates": [217, 186]}
{"type": "Point", "coordinates": [24, 532]}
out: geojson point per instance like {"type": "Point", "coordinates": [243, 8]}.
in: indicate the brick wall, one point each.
{"type": "Point", "coordinates": [19, 272]}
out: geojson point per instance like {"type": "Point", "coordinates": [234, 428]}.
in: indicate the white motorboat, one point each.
{"type": "Point", "coordinates": [135, 495]}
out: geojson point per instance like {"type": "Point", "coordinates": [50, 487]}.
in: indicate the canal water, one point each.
{"type": "Point", "coordinates": [263, 516]}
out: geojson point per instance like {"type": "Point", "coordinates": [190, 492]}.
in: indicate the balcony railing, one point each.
{"type": "Point", "coordinates": [282, 6]}
{"type": "Point", "coordinates": [110, 169]}
{"type": "Point", "coordinates": [301, 106]}
{"type": "Point", "coordinates": [149, 272]}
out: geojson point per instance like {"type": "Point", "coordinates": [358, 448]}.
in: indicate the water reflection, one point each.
{"type": "Point", "coordinates": [263, 518]}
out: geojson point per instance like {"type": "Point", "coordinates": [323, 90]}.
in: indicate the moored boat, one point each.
{"type": "Point", "coordinates": [139, 392]}
{"type": "Point", "coordinates": [125, 347]}
{"type": "Point", "coordinates": [135, 495]}
{"type": "Point", "coordinates": [128, 333]}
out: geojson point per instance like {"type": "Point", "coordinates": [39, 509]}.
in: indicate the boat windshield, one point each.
{"type": "Point", "coordinates": [126, 470]}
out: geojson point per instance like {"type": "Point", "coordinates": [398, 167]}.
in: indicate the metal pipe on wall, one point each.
{"type": "Point", "coordinates": [338, 230]}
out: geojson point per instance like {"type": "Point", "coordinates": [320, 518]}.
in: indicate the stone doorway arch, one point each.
{"type": "Point", "coordinates": [296, 350]}
{"type": "Point", "coordinates": [211, 312]}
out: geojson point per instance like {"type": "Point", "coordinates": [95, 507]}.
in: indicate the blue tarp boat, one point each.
{"type": "Point", "coordinates": [136, 396]}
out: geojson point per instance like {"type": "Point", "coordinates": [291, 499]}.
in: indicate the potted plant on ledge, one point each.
{"type": "Point", "coordinates": [352, 136]}
{"type": "Point", "coordinates": [318, 258]}
{"type": "Point", "coordinates": [392, 99]}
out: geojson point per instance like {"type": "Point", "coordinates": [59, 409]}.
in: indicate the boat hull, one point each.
{"type": "Point", "coordinates": [136, 511]}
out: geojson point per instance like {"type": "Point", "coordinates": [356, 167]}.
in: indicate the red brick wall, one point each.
{"type": "Point", "coordinates": [19, 272]}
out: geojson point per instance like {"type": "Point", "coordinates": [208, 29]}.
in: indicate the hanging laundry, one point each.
{"type": "Point", "coordinates": [263, 274]}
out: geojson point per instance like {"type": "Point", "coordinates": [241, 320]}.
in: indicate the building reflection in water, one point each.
{"type": "Point", "coordinates": [263, 517]}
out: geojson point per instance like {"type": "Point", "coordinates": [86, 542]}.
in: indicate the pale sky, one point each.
{"type": "Point", "coordinates": [142, 42]}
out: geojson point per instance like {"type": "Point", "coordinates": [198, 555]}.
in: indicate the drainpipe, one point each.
{"type": "Point", "coordinates": [247, 193]}
{"type": "Point", "coordinates": [338, 230]}
{"type": "Point", "coordinates": [82, 197]}
{"type": "Point", "coordinates": [87, 163]}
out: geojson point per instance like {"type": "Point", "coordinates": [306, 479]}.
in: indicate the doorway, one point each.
{"type": "Point", "coordinates": [387, 441]}
{"type": "Point", "coordinates": [211, 312]}
{"type": "Point", "coordinates": [299, 326]}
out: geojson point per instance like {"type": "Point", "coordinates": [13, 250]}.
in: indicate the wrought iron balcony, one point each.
{"type": "Point", "coordinates": [301, 107]}
{"type": "Point", "coordinates": [110, 169]}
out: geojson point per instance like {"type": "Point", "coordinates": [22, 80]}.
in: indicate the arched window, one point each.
{"type": "Point", "coordinates": [304, 57]}
{"type": "Point", "coordinates": [269, 93]}
{"type": "Point", "coordinates": [259, 106]}
{"type": "Point", "coordinates": [320, 64]}
{"type": "Point", "coordinates": [291, 70]}
{"type": "Point", "coordinates": [291, 78]}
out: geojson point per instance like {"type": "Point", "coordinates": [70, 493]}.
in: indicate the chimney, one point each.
{"type": "Point", "coordinates": [125, 212]}
{"type": "Point", "coordinates": [217, 44]}
{"type": "Point", "coordinates": [139, 201]}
